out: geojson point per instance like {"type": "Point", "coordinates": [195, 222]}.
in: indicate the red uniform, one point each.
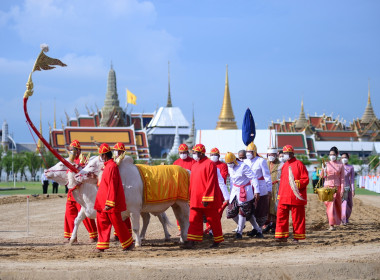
{"type": "Point", "coordinates": [185, 163]}
{"type": "Point", "coordinates": [223, 169]}
{"type": "Point", "coordinates": [111, 193]}
{"type": "Point", "coordinates": [72, 210]}
{"type": "Point", "coordinates": [288, 201]}
{"type": "Point", "coordinates": [204, 187]}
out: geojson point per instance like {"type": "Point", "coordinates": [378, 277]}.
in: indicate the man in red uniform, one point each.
{"type": "Point", "coordinates": [73, 208]}
{"type": "Point", "coordinates": [292, 197]}
{"type": "Point", "coordinates": [205, 199]}
{"type": "Point", "coordinates": [184, 160]}
{"type": "Point", "coordinates": [119, 149]}
{"type": "Point", "coordinates": [215, 157]}
{"type": "Point", "coordinates": [109, 203]}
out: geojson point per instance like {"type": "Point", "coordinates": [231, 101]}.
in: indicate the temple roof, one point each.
{"type": "Point", "coordinates": [302, 121]}
{"type": "Point", "coordinates": [169, 117]}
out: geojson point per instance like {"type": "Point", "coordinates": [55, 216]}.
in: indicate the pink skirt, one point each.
{"type": "Point", "coordinates": [334, 209]}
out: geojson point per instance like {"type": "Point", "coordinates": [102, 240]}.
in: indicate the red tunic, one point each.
{"type": "Point", "coordinates": [286, 195]}
{"type": "Point", "coordinates": [223, 169]}
{"type": "Point", "coordinates": [204, 186]}
{"type": "Point", "coordinates": [110, 190]}
{"type": "Point", "coordinates": [185, 163]}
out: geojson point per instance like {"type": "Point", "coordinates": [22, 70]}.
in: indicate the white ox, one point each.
{"type": "Point", "coordinates": [134, 191]}
{"type": "Point", "coordinates": [85, 195]}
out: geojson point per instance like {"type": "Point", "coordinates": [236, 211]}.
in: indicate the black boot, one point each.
{"type": "Point", "coordinates": [238, 236]}
{"type": "Point", "coordinates": [259, 235]}
{"type": "Point", "coordinates": [252, 233]}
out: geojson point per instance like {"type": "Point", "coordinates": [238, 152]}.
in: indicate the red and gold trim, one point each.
{"type": "Point", "coordinates": [299, 236]}
{"type": "Point", "coordinates": [281, 234]}
{"type": "Point", "coordinates": [104, 148]}
{"type": "Point", "coordinates": [119, 146]}
{"type": "Point", "coordinates": [218, 239]}
{"type": "Point", "coordinates": [110, 203]}
{"type": "Point", "coordinates": [208, 199]}
{"type": "Point", "coordinates": [199, 148]}
{"type": "Point", "coordinates": [103, 245]}
{"type": "Point", "coordinates": [214, 151]}
{"type": "Point", "coordinates": [127, 243]}
{"type": "Point", "coordinates": [67, 234]}
{"type": "Point", "coordinates": [194, 237]}
{"type": "Point", "coordinates": [75, 144]}
{"type": "Point", "coordinates": [93, 235]}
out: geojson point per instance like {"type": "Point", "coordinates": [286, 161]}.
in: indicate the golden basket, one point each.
{"type": "Point", "coordinates": [326, 194]}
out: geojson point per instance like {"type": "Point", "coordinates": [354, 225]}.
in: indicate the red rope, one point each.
{"type": "Point", "coordinates": [42, 156]}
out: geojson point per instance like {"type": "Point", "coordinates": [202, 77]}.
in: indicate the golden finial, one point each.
{"type": "Point", "coordinates": [169, 103]}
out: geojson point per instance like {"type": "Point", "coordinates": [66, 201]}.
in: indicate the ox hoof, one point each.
{"type": "Point", "coordinates": [73, 241]}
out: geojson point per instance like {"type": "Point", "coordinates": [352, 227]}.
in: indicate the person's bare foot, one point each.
{"type": "Point", "coordinates": [99, 250]}
{"type": "Point", "coordinates": [295, 241]}
{"type": "Point", "coordinates": [282, 240]}
{"type": "Point", "coordinates": [93, 240]}
{"type": "Point", "coordinates": [67, 240]}
{"type": "Point", "coordinates": [130, 248]}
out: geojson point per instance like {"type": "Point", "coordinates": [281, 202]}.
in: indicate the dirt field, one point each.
{"type": "Point", "coordinates": [350, 252]}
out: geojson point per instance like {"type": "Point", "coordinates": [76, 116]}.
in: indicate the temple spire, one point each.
{"type": "Point", "coordinates": [226, 116]}
{"type": "Point", "coordinates": [369, 114]}
{"type": "Point", "coordinates": [169, 103]}
{"type": "Point", "coordinates": [302, 121]}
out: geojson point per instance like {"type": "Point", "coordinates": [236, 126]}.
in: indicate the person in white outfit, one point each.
{"type": "Point", "coordinates": [262, 182]}
{"type": "Point", "coordinates": [242, 192]}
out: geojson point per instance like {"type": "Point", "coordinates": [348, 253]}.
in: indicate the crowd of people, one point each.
{"type": "Point", "coordinates": [262, 191]}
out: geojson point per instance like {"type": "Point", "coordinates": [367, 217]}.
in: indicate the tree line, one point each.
{"type": "Point", "coordinates": [24, 164]}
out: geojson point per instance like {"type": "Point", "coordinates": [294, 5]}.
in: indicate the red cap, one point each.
{"type": "Point", "coordinates": [288, 149]}
{"type": "Point", "coordinates": [214, 151]}
{"type": "Point", "coordinates": [119, 146]}
{"type": "Point", "coordinates": [183, 148]}
{"type": "Point", "coordinates": [75, 144]}
{"type": "Point", "coordinates": [199, 148]}
{"type": "Point", "coordinates": [104, 148]}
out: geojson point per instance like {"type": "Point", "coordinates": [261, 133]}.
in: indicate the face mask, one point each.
{"type": "Point", "coordinates": [231, 165]}
{"type": "Point", "coordinates": [271, 158]}
{"type": "Point", "coordinates": [214, 158]}
{"type": "Point", "coordinates": [286, 157]}
{"type": "Point", "coordinates": [332, 158]}
{"type": "Point", "coordinates": [249, 156]}
{"type": "Point", "coordinates": [345, 160]}
{"type": "Point", "coordinates": [281, 159]}
{"type": "Point", "coordinates": [183, 156]}
{"type": "Point", "coordinates": [195, 157]}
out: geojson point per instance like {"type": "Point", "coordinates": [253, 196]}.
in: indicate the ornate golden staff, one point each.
{"type": "Point", "coordinates": [43, 62]}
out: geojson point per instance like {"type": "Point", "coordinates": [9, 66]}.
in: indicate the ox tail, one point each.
{"type": "Point", "coordinates": [166, 220]}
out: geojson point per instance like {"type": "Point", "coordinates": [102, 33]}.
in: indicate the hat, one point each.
{"type": "Point", "coordinates": [251, 148]}
{"type": "Point", "coordinates": [183, 148]}
{"type": "Point", "coordinates": [75, 144]}
{"type": "Point", "coordinates": [288, 149]}
{"type": "Point", "coordinates": [119, 146]}
{"type": "Point", "coordinates": [272, 151]}
{"type": "Point", "coordinates": [214, 151]}
{"type": "Point", "coordinates": [104, 148]}
{"type": "Point", "coordinates": [199, 148]}
{"type": "Point", "coordinates": [230, 158]}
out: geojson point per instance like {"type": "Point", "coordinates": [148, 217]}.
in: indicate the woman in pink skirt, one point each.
{"type": "Point", "coordinates": [349, 189]}
{"type": "Point", "coordinates": [334, 178]}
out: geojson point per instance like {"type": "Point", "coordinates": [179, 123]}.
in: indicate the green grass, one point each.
{"type": "Point", "coordinates": [30, 188]}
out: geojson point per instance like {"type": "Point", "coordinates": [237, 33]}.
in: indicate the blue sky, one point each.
{"type": "Point", "coordinates": [277, 53]}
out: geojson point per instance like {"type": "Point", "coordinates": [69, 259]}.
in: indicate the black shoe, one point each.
{"type": "Point", "coordinates": [238, 236]}
{"type": "Point", "coordinates": [214, 245]}
{"type": "Point", "coordinates": [259, 235]}
{"type": "Point", "coordinates": [267, 228]}
{"type": "Point", "coordinates": [252, 233]}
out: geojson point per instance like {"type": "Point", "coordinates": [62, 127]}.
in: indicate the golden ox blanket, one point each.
{"type": "Point", "coordinates": [164, 182]}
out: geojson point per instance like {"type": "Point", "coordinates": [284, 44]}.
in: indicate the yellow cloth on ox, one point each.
{"type": "Point", "coordinates": [164, 183]}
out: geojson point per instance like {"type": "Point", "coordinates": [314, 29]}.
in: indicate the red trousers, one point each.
{"type": "Point", "coordinates": [72, 210]}
{"type": "Point", "coordinates": [195, 232]}
{"type": "Point", "coordinates": [127, 222]}
{"type": "Point", "coordinates": [298, 218]}
{"type": "Point", "coordinates": [105, 221]}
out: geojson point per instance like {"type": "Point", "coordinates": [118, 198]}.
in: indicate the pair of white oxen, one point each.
{"type": "Point", "coordinates": [85, 195]}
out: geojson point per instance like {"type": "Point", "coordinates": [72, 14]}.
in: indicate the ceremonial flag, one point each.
{"type": "Point", "coordinates": [44, 62]}
{"type": "Point", "coordinates": [248, 128]}
{"type": "Point", "coordinates": [131, 98]}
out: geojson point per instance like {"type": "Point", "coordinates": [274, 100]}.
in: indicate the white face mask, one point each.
{"type": "Point", "coordinates": [344, 160]}
{"type": "Point", "coordinates": [281, 159]}
{"type": "Point", "coordinates": [271, 158]}
{"type": "Point", "coordinates": [183, 156]}
{"type": "Point", "coordinates": [332, 158]}
{"type": "Point", "coordinates": [286, 157]}
{"type": "Point", "coordinates": [231, 165]}
{"type": "Point", "coordinates": [214, 158]}
{"type": "Point", "coordinates": [195, 157]}
{"type": "Point", "coordinates": [249, 156]}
